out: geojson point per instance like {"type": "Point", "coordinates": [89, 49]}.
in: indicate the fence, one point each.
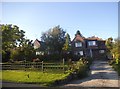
{"type": "Point", "coordinates": [34, 65]}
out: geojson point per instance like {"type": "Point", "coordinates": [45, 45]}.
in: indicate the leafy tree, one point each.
{"type": "Point", "coordinates": [54, 38]}
{"type": "Point", "coordinates": [10, 37]}
{"type": "Point", "coordinates": [116, 49]}
{"type": "Point", "coordinates": [109, 44]}
{"type": "Point", "coordinates": [14, 45]}
{"type": "Point", "coordinates": [24, 52]}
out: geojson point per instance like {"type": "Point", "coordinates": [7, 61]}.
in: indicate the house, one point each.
{"type": "Point", "coordinates": [88, 47]}
{"type": "Point", "coordinates": [80, 46]}
{"type": "Point", "coordinates": [39, 46]}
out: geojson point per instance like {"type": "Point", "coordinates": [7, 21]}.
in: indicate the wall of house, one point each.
{"type": "Point", "coordinates": [90, 51]}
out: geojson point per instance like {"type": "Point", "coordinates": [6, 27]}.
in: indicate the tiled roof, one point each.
{"type": "Point", "coordinates": [37, 40]}
{"type": "Point", "coordinates": [78, 38]}
{"type": "Point", "coordinates": [95, 38]}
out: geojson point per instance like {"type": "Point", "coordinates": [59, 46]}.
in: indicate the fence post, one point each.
{"type": "Point", "coordinates": [63, 65]}
{"type": "Point", "coordinates": [42, 67]}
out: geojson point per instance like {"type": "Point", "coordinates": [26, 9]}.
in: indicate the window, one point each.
{"type": "Point", "coordinates": [35, 47]}
{"type": "Point", "coordinates": [81, 53]}
{"type": "Point", "coordinates": [92, 43]}
{"type": "Point", "coordinates": [101, 51]}
{"type": "Point", "coordinates": [78, 44]}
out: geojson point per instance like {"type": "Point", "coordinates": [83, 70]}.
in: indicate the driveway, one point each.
{"type": "Point", "coordinates": [101, 75]}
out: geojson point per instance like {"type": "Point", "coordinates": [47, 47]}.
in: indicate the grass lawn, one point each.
{"type": "Point", "coordinates": [38, 77]}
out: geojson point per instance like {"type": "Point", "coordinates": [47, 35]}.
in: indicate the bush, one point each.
{"type": "Point", "coordinates": [50, 58]}
{"type": "Point", "coordinates": [115, 64]}
{"type": "Point", "coordinates": [111, 62]}
{"type": "Point", "coordinates": [79, 68]}
{"type": "Point", "coordinates": [117, 68]}
{"type": "Point", "coordinates": [82, 69]}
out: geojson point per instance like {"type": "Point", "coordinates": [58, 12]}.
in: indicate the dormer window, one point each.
{"type": "Point", "coordinates": [78, 44]}
{"type": "Point", "coordinates": [92, 43]}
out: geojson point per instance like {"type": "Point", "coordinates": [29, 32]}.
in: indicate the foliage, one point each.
{"type": "Point", "coordinates": [24, 52]}
{"type": "Point", "coordinates": [66, 50]}
{"type": "Point", "coordinates": [109, 44]}
{"type": "Point", "coordinates": [50, 57]}
{"type": "Point", "coordinates": [31, 76]}
{"type": "Point", "coordinates": [117, 68]}
{"type": "Point", "coordinates": [115, 51]}
{"type": "Point", "coordinates": [67, 46]}
{"type": "Point", "coordinates": [54, 38]}
{"type": "Point", "coordinates": [80, 68]}
{"type": "Point", "coordinates": [14, 45]}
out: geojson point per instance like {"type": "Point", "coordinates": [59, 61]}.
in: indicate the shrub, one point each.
{"type": "Point", "coordinates": [111, 62]}
{"type": "Point", "coordinates": [117, 68]}
{"type": "Point", "coordinates": [79, 68]}
{"type": "Point", "coordinates": [50, 57]}
{"type": "Point", "coordinates": [115, 64]}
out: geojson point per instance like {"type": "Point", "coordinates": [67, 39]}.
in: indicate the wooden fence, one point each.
{"type": "Point", "coordinates": [34, 65]}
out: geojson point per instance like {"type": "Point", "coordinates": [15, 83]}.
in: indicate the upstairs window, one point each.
{"type": "Point", "coordinates": [78, 44]}
{"type": "Point", "coordinates": [92, 43]}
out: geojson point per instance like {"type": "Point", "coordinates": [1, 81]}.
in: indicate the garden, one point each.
{"type": "Point", "coordinates": [51, 77]}
{"type": "Point", "coordinates": [113, 49]}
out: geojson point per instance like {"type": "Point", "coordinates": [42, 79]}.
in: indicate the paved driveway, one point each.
{"type": "Point", "coordinates": [101, 75]}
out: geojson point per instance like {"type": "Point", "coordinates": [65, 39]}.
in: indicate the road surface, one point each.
{"type": "Point", "coordinates": [101, 75]}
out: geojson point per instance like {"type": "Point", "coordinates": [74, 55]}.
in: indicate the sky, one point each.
{"type": "Point", "coordinates": [90, 18]}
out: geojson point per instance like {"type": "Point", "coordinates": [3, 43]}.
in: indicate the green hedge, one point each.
{"type": "Point", "coordinates": [116, 65]}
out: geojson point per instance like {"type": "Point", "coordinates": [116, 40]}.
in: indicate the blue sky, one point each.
{"type": "Point", "coordinates": [91, 18]}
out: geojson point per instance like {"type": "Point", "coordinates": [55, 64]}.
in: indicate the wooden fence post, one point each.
{"type": "Point", "coordinates": [42, 67]}
{"type": "Point", "coordinates": [63, 65]}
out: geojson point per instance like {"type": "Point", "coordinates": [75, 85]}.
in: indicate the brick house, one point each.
{"type": "Point", "coordinates": [88, 47]}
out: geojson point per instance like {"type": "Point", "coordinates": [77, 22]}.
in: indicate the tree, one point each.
{"type": "Point", "coordinates": [23, 52]}
{"type": "Point", "coordinates": [109, 44]}
{"type": "Point", "coordinates": [10, 37]}
{"type": "Point", "coordinates": [67, 45]}
{"type": "Point", "coordinates": [116, 49]}
{"type": "Point", "coordinates": [14, 45]}
{"type": "Point", "coordinates": [54, 38]}
{"type": "Point", "coordinates": [113, 48]}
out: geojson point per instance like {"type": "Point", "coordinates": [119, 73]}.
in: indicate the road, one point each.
{"type": "Point", "coordinates": [12, 84]}
{"type": "Point", "coordinates": [101, 75]}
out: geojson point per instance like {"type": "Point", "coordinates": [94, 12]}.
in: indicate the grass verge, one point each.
{"type": "Point", "coordinates": [35, 77]}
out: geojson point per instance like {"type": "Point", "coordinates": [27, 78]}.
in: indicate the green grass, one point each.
{"type": "Point", "coordinates": [22, 76]}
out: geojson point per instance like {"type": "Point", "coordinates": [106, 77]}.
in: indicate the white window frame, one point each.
{"type": "Point", "coordinates": [101, 51]}
{"type": "Point", "coordinates": [92, 43]}
{"type": "Point", "coordinates": [78, 44]}
{"type": "Point", "coordinates": [81, 53]}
